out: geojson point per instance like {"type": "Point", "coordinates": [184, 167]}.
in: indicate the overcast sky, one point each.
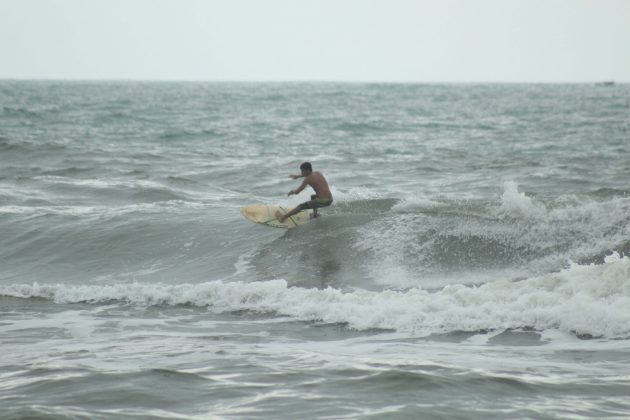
{"type": "Point", "coordinates": [337, 40]}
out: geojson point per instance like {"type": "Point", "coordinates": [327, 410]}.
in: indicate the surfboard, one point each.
{"type": "Point", "coordinates": [266, 215]}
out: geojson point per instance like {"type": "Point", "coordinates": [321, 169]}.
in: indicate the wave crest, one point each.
{"type": "Point", "coordinates": [587, 300]}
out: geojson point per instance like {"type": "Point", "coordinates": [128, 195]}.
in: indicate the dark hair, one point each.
{"type": "Point", "coordinates": [306, 166]}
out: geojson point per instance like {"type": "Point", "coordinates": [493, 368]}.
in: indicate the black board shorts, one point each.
{"type": "Point", "coordinates": [315, 203]}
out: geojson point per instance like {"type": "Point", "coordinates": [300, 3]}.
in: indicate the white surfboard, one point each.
{"type": "Point", "coordinates": [266, 215]}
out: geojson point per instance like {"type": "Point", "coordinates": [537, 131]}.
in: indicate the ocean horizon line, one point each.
{"type": "Point", "coordinates": [602, 82]}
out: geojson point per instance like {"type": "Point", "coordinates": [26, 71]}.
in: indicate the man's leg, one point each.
{"type": "Point", "coordinates": [314, 206]}
{"type": "Point", "coordinates": [306, 205]}
{"type": "Point", "coordinates": [281, 218]}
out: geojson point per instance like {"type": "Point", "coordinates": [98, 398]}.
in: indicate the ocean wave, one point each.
{"type": "Point", "coordinates": [187, 134]}
{"type": "Point", "coordinates": [611, 192]}
{"type": "Point", "coordinates": [137, 190]}
{"type": "Point", "coordinates": [431, 241]}
{"type": "Point", "coordinates": [107, 212]}
{"type": "Point", "coordinates": [21, 112]}
{"type": "Point", "coordinates": [424, 235]}
{"type": "Point", "coordinates": [585, 300]}
{"type": "Point", "coordinates": [30, 148]}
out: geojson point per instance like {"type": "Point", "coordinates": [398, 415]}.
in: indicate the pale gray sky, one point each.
{"type": "Point", "coordinates": [338, 40]}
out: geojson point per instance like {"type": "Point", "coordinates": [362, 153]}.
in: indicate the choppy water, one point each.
{"type": "Point", "coordinates": [474, 263]}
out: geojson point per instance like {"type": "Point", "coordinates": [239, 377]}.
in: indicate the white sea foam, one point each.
{"type": "Point", "coordinates": [582, 299]}
{"type": "Point", "coordinates": [99, 183]}
{"type": "Point", "coordinates": [414, 203]}
{"type": "Point", "coordinates": [517, 204]}
{"type": "Point", "coordinates": [580, 225]}
{"type": "Point", "coordinates": [354, 194]}
{"type": "Point", "coordinates": [172, 206]}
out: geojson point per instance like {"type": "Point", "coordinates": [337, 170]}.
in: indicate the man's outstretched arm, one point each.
{"type": "Point", "coordinates": [299, 189]}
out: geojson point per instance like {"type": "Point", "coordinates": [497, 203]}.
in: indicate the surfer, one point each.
{"type": "Point", "coordinates": [321, 198]}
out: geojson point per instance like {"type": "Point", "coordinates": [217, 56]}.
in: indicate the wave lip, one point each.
{"type": "Point", "coordinates": [586, 300]}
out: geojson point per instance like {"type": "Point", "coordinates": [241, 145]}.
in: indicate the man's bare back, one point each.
{"type": "Point", "coordinates": [317, 182]}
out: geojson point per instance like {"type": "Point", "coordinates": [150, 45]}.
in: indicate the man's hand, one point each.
{"type": "Point", "coordinates": [291, 193]}
{"type": "Point", "coordinates": [295, 176]}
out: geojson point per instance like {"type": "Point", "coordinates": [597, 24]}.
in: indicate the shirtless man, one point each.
{"type": "Point", "coordinates": [322, 197]}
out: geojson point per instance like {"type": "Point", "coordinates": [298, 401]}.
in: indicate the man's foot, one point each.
{"type": "Point", "coordinates": [281, 218]}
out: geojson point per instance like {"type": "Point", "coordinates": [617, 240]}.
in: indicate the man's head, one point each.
{"type": "Point", "coordinates": [306, 168]}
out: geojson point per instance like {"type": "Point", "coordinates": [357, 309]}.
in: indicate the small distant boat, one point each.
{"type": "Point", "coordinates": [606, 83]}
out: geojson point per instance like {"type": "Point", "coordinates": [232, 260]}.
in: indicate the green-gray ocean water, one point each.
{"type": "Point", "coordinates": [474, 263]}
